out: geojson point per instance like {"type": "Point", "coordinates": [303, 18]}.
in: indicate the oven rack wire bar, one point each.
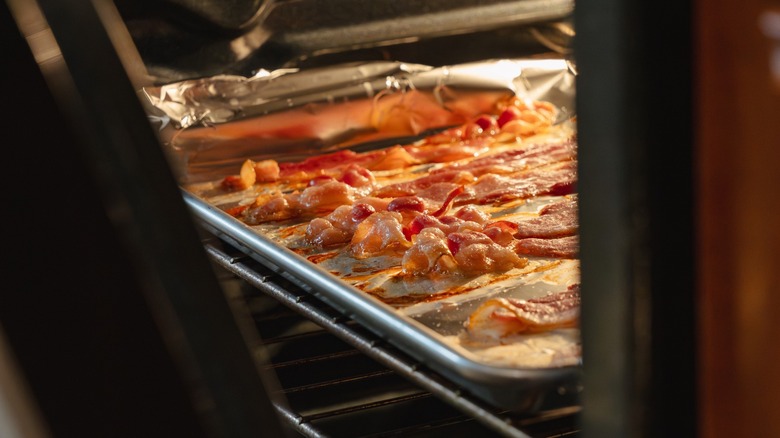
{"type": "Point", "coordinates": [564, 420]}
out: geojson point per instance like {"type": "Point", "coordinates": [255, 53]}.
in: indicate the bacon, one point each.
{"type": "Point", "coordinates": [447, 203]}
{"type": "Point", "coordinates": [315, 199]}
{"type": "Point", "coordinates": [358, 177]}
{"type": "Point", "coordinates": [272, 208]}
{"type": "Point", "coordinates": [547, 168]}
{"type": "Point", "coordinates": [339, 226]}
{"type": "Point", "coordinates": [515, 160]}
{"type": "Point", "coordinates": [266, 171]}
{"type": "Point", "coordinates": [380, 233]}
{"type": "Point", "coordinates": [244, 180]}
{"type": "Point", "coordinates": [414, 187]}
{"type": "Point", "coordinates": [407, 203]}
{"type": "Point", "coordinates": [562, 247]}
{"type": "Point", "coordinates": [429, 254]}
{"type": "Point", "coordinates": [422, 222]}
{"type": "Point", "coordinates": [477, 254]}
{"type": "Point", "coordinates": [379, 204]}
{"type": "Point", "coordinates": [438, 249]}
{"type": "Point", "coordinates": [326, 197]}
{"type": "Point", "coordinates": [501, 317]}
{"type": "Point", "coordinates": [467, 131]}
{"type": "Point", "coordinates": [537, 182]}
{"type": "Point", "coordinates": [396, 157]}
{"type": "Point", "coordinates": [501, 232]}
{"type": "Point", "coordinates": [471, 214]}
{"type": "Point", "coordinates": [554, 220]}
{"type": "Point", "coordinates": [324, 233]}
{"type": "Point", "coordinates": [447, 224]}
{"type": "Point", "coordinates": [457, 240]}
{"type": "Point", "coordinates": [317, 165]}
{"type": "Point", "coordinates": [445, 153]}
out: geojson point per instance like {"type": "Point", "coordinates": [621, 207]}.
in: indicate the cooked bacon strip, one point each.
{"type": "Point", "coordinates": [470, 213]}
{"type": "Point", "coordinates": [554, 220]}
{"type": "Point", "coordinates": [477, 254]}
{"type": "Point", "coordinates": [272, 208]}
{"type": "Point", "coordinates": [407, 203]}
{"type": "Point", "coordinates": [447, 204]}
{"type": "Point", "coordinates": [317, 165]}
{"type": "Point", "coordinates": [396, 157]}
{"type": "Point", "coordinates": [414, 187]}
{"type": "Point", "coordinates": [465, 251]}
{"type": "Point", "coordinates": [393, 158]}
{"type": "Point", "coordinates": [317, 199]}
{"type": "Point", "coordinates": [514, 160]}
{"type": "Point", "coordinates": [563, 247]}
{"type": "Point", "coordinates": [466, 218]}
{"type": "Point", "coordinates": [244, 180]}
{"type": "Point", "coordinates": [540, 181]}
{"type": "Point", "coordinates": [500, 317]}
{"type": "Point", "coordinates": [506, 176]}
{"type": "Point", "coordinates": [324, 194]}
{"type": "Point", "coordinates": [380, 233]}
{"type": "Point", "coordinates": [501, 232]}
{"type": "Point", "coordinates": [358, 177]}
{"type": "Point", "coordinates": [446, 153]}
{"type": "Point", "coordinates": [338, 227]}
{"type": "Point", "coordinates": [429, 254]}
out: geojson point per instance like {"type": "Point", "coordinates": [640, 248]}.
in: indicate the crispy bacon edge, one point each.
{"type": "Point", "coordinates": [500, 317]}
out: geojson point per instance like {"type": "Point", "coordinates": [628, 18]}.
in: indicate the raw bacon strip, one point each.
{"type": "Point", "coordinates": [562, 247]}
{"type": "Point", "coordinates": [554, 220]}
{"type": "Point", "coordinates": [500, 317]}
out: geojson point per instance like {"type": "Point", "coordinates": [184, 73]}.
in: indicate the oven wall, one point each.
{"type": "Point", "coordinates": [738, 148]}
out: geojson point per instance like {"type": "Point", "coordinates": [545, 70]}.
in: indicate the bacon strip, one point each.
{"type": "Point", "coordinates": [515, 160]}
{"type": "Point", "coordinates": [447, 204]}
{"type": "Point", "coordinates": [484, 184]}
{"type": "Point", "coordinates": [500, 317]}
{"type": "Point", "coordinates": [537, 182]}
{"type": "Point", "coordinates": [563, 247]}
{"type": "Point", "coordinates": [313, 166]}
{"type": "Point", "coordinates": [554, 220]}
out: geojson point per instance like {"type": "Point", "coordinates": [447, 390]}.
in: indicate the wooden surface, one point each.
{"type": "Point", "coordinates": [738, 148]}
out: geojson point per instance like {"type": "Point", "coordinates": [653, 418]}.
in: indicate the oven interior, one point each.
{"type": "Point", "coordinates": [310, 371]}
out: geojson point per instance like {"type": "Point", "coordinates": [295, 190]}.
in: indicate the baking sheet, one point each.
{"type": "Point", "coordinates": [214, 124]}
{"type": "Point", "coordinates": [509, 387]}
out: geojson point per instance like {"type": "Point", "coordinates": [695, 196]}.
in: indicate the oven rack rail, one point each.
{"type": "Point", "coordinates": [558, 418]}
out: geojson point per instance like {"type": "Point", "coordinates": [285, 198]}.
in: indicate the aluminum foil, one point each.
{"type": "Point", "coordinates": [210, 126]}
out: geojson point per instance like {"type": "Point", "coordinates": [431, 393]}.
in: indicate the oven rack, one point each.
{"type": "Point", "coordinates": [339, 379]}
